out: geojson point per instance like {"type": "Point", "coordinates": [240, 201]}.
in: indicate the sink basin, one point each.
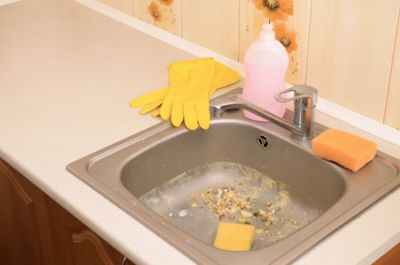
{"type": "Point", "coordinates": [170, 161]}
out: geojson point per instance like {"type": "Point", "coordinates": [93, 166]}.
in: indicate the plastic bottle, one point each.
{"type": "Point", "coordinates": [266, 62]}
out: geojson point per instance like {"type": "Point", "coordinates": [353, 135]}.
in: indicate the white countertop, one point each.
{"type": "Point", "coordinates": [67, 74]}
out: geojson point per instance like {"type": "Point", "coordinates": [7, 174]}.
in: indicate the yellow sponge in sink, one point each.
{"type": "Point", "coordinates": [346, 149]}
{"type": "Point", "coordinates": [234, 237]}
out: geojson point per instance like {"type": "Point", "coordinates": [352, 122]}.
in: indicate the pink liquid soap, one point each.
{"type": "Point", "coordinates": [266, 62]}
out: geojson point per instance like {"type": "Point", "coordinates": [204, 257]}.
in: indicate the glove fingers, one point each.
{"type": "Point", "coordinates": [203, 113]}
{"type": "Point", "coordinates": [177, 114]}
{"type": "Point", "coordinates": [148, 98]}
{"type": "Point", "coordinates": [156, 113]}
{"type": "Point", "coordinates": [166, 107]}
{"type": "Point", "coordinates": [150, 107]}
{"type": "Point", "coordinates": [189, 110]}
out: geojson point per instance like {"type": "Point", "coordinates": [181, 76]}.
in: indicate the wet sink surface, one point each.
{"type": "Point", "coordinates": [217, 158]}
{"type": "Point", "coordinates": [154, 175]}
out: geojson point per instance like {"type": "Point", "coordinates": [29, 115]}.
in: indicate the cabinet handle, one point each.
{"type": "Point", "coordinates": [96, 243]}
{"type": "Point", "coordinates": [124, 261]}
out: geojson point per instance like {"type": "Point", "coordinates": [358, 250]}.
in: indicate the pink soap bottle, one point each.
{"type": "Point", "coordinates": [266, 62]}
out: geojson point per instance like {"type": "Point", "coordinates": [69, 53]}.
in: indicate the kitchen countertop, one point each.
{"type": "Point", "coordinates": [67, 74]}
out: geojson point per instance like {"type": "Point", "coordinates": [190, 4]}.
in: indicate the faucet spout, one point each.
{"type": "Point", "coordinates": [303, 119]}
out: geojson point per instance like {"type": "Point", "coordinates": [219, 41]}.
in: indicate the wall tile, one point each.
{"type": "Point", "coordinates": [125, 6]}
{"type": "Point", "coordinates": [350, 52]}
{"type": "Point", "coordinates": [212, 24]}
{"type": "Point", "coordinates": [392, 114]}
{"type": "Point", "coordinates": [167, 14]}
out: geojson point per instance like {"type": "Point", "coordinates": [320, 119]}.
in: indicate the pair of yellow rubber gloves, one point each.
{"type": "Point", "coordinates": [191, 83]}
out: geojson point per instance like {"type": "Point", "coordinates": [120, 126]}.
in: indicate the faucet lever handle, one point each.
{"type": "Point", "coordinates": [300, 92]}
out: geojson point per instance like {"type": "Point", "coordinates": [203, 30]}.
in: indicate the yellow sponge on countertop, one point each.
{"type": "Point", "coordinates": [346, 149]}
{"type": "Point", "coordinates": [234, 237]}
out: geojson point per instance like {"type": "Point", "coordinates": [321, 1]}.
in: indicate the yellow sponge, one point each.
{"type": "Point", "coordinates": [346, 149]}
{"type": "Point", "coordinates": [235, 237]}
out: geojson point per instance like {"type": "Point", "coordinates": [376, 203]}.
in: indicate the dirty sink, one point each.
{"type": "Point", "coordinates": [163, 175]}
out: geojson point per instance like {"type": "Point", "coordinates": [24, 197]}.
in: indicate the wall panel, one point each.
{"type": "Point", "coordinates": [300, 22]}
{"type": "Point", "coordinates": [246, 26]}
{"type": "Point", "coordinates": [170, 14]}
{"type": "Point", "coordinates": [350, 52]}
{"type": "Point", "coordinates": [212, 24]}
{"type": "Point", "coordinates": [392, 114]}
{"type": "Point", "coordinates": [125, 6]}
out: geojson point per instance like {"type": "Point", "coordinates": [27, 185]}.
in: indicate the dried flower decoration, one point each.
{"type": "Point", "coordinates": [155, 12]}
{"type": "Point", "coordinates": [275, 9]}
{"type": "Point", "coordinates": [285, 36]}
{"type": "Point", "coordinates": [166, 2]}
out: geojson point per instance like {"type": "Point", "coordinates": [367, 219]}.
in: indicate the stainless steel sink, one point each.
{"type": "Point", "coordinates": [125, 171]}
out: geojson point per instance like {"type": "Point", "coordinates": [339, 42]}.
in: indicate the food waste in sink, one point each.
{"type": "Point", "coordinates": [198, 199]}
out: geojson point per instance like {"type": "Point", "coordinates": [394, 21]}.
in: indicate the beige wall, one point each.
{"type": "Point", "coordinates": [349, 50]}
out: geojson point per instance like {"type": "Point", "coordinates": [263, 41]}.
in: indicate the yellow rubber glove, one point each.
{"type": "Point", "coordinates": [150, 101]}
{"type": "Point", "coordinates": [187, 95]}
{"type": "Point", "coordinates": [223, 76]}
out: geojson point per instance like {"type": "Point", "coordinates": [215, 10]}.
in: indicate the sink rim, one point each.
{"type": "Point", "coordinates": [199, 251]}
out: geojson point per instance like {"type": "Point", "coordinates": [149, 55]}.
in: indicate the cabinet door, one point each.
{"type": "Point", "coordinates": [35, 230]}
{"type": "Point", "coordinates": [24, 237]}
{"type": "Point", "coordinates": [75, 244]}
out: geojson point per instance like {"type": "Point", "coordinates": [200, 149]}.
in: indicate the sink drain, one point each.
{"type": "Point", "coordinates": [262, 141]}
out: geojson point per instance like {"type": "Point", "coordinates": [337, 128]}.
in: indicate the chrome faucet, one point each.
{"type": "Point", "coordinates": [305, 100]}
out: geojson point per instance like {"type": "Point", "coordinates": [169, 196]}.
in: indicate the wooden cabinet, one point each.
{"type": "Point", "coordinates": [24, 237]}
{"type": "Point", "coordinates": [75, 244]}
{"type": "Point", "coordinates": [35, 230]}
